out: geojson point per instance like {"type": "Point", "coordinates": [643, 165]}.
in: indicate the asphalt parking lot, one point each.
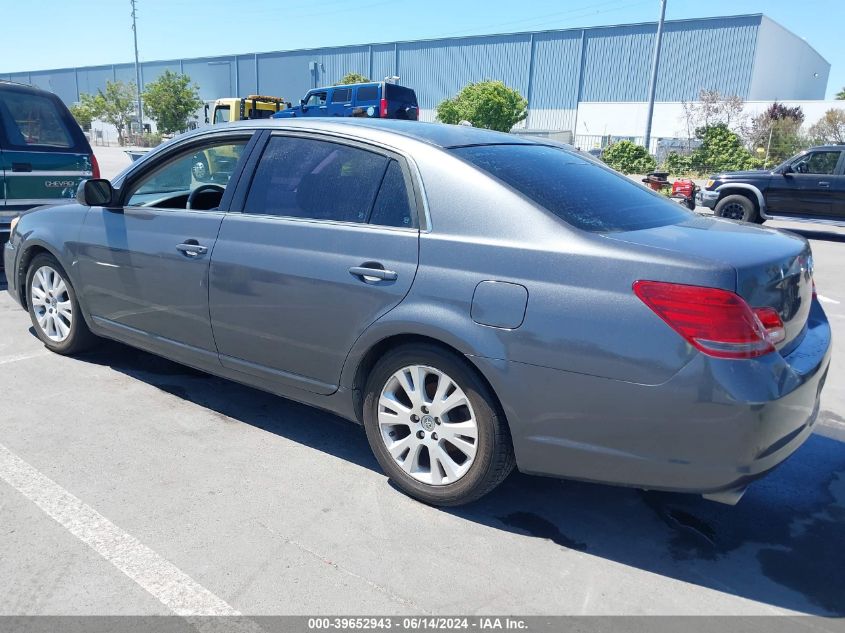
{"type": "Point", "coordinates": [132, 485]}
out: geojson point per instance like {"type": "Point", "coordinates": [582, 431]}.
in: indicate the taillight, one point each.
{"type": "Point", "coordinates": [771, 322]}
{"type": "Point", "coordinates": [95, 167]}
{"type": "Point", "coordinates": [716, 322]}
{"type": "Point", "coordinates": [383, 109]}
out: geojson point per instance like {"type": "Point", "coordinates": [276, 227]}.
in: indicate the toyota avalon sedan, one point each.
{"type": "Point", "coordinates": [477, 301]}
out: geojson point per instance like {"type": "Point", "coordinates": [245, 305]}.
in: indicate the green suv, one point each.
{"type": "Point", "coordinates": [43, 153]}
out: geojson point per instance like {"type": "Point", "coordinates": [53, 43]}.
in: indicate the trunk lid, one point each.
{"type": "Point", "coordinates": [773, 268]}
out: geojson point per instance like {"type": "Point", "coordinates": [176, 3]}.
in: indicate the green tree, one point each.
{"type": "Point", "coordinates": [830, 128]}
{"type": "Point", "coordinates": [841, 94]}
{"type": "Point", "coordinates": [776, 132]}
{"type": "Point", "coordinates": [487, 104]}
{"type": "Point", "coordinates": [352, 78]}
{"type": "Point", "coordinates": [629, 158]}
{"type": "Point", "coordinates": [170, 101]}
{"type": "Point", "coordinates": [115, 105]}
{"type": "Point", "coordinates": [83, 115]}
{"type": "Point", "coordinates": [721, 150]}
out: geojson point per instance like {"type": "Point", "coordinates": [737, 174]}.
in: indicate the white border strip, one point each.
{"type": "Point", "coordinates": [58, 174]}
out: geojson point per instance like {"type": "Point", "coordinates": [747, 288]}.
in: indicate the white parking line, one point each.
{"type": "Point", "coordinates": [4, 360]}
{"type": "Point", "coordinates": [827, 299]}
{"type": "Point", "coordinates": [171, 586]}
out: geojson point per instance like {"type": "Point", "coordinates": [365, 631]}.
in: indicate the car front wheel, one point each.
{"type": "Point", "coordinates": [434, 426]}
{"type": "Point", "coordinates": [54, 308]}
{"type": "Point", "coordinates": [737, 207]}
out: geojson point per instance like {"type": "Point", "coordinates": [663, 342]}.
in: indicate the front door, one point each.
{"type": "Point", "coordinates": [327, 243]}
{"type": "Point", "coordinates": [315, 104]}
{"type": "Point", "coordinates": [144, 263]}
{"type": "Point", "coordinates": [807, 188]}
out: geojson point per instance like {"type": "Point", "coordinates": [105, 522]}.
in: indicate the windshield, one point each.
{"type": "Point", "coordinates": [577, 190]}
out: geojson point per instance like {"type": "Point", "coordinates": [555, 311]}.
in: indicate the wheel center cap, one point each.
{"type": "Point", "coordinates": [427, 422]}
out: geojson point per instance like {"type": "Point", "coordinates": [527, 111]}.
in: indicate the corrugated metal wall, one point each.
{"type": "Point", "coordinates": [555, 70]}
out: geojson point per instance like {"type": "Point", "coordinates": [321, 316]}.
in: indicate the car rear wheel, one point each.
{"type": "Point", "coordinates": [54, 308]}
{"type": "Point", "coordinates": [737, 207]}
{"type": "Point", "coordinates": [434, 426]}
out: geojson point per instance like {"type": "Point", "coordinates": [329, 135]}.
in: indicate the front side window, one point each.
{"type": "Point", "coordinates": [317, 99]}
{"type": "Point", "coordinates": [221, 114]}
{"type": "Point", "coordinates": [823, 162]}
{"type": "Point", "coordinates": [322, 180]}
{"type": "Point", "coordinates": [586, 195]}
{"type": "Point", "coordinates": [175, 184]}
{"type": "Point", "coordinates": [33, 120]}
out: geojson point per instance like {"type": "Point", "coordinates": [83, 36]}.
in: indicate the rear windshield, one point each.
{"type": "Point", "coordinates": [400, 93]}
{"type": "Point", "coordinates": [578, 191]}
{"type": "Point", "coordinates": [33, 120]}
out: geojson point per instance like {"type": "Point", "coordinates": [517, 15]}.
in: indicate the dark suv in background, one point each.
{"type": "Point", "coordinates": [374, 100]}
{"type": "Point", "coordinates": [809, 186]}
{"type": "Point", "coordinates": [43, 153]}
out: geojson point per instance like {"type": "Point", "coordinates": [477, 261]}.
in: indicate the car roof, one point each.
{"type": "Point", "coordinates": [437, 134]}
{"type": "Point", "coordinates": [832, 147]}
{"type": "Point", "coordinates": [5, 84]}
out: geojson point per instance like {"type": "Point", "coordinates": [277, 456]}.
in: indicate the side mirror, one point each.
{"type": "Point", "coordinates": [95, 192]}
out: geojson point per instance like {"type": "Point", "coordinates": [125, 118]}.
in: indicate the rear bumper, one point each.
{"type": "Point", "coordinates": [715, 426]}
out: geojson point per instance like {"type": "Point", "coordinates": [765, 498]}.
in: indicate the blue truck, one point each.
{"type": "Point", "coordinates": [375, 100]}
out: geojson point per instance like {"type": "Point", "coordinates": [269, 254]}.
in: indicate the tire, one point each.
{"type": "Point", "coordinates": [737, 207]}
{"type": "Point", "coordinates": [54, 308]}
{"type": "Point", "coordinates": [433, 459]}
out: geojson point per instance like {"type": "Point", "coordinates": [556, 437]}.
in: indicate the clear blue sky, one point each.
{"type": "Point", "coordinates": [61, 33]}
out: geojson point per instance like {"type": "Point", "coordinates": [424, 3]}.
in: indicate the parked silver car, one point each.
{"type": "Point", "coordinates": [476, 300]}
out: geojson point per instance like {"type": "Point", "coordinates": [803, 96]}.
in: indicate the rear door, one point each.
{"type": "Point", "coordinates": [326, 244]}
{"type": "Point", "coordinates": [401, 102]}
{"type": "Point", "coordinates": [807, 190]}
{"type": "Point", "coordinates": [340, 102]}
{"type": "Point", "coordinates": [45, 154]}
{"type": "Point", "coordinates": [838, 191]}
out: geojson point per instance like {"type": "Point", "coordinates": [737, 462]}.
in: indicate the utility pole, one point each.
{"type": "Point", "coordinates": [137, 69]}
{"type": "Point", "coordinates": [652, 84]}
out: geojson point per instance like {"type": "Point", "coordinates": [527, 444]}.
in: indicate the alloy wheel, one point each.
{"type": "Point", "coordinates": [428, 425]}
{"type": "Point", "coordinates": [51, 303]}
{"type": "Point", "coordinates": [733, 211]}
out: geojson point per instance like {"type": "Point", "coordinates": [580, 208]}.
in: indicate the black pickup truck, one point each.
{"type": "Point", "coordinates": [809, 186]}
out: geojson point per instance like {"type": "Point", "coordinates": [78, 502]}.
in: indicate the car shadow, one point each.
{"type": "Point", "coordinates": [783, 544]}
{"type": "Point", "coordinates": [818, 234]}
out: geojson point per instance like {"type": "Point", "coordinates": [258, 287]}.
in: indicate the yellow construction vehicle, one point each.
{"type": "Point", "coordinates": [238, 108]}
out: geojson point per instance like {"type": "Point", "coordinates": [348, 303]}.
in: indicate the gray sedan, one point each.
{"type": "Point", "coordinates": [476, 300]}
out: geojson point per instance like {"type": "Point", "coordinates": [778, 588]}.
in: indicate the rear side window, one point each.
{"type": "Point", "coordinates": [393, 207]}
{"type": "Point", "coordinates": [309, 178]}
{"type": "Point", "coordinates": [341, 95]}
{"type": "Point", "coordinates": [32, 120]}
{"type": "Point", "coordinates": [400, 93]}
{"type": "Point", "coordinates": [581, 193]}
{"type": "Point", "coordinates": [368, 93]}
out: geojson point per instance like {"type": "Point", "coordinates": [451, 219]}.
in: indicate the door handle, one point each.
{"type": "Point", "coordinates": [191, 248]}
{"type": "Point", "coordinates": [824, 184]}
{"type": "Point", "coordinates": [370, 273]}
{"type": "Point", "coordinates": [22, 167]}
